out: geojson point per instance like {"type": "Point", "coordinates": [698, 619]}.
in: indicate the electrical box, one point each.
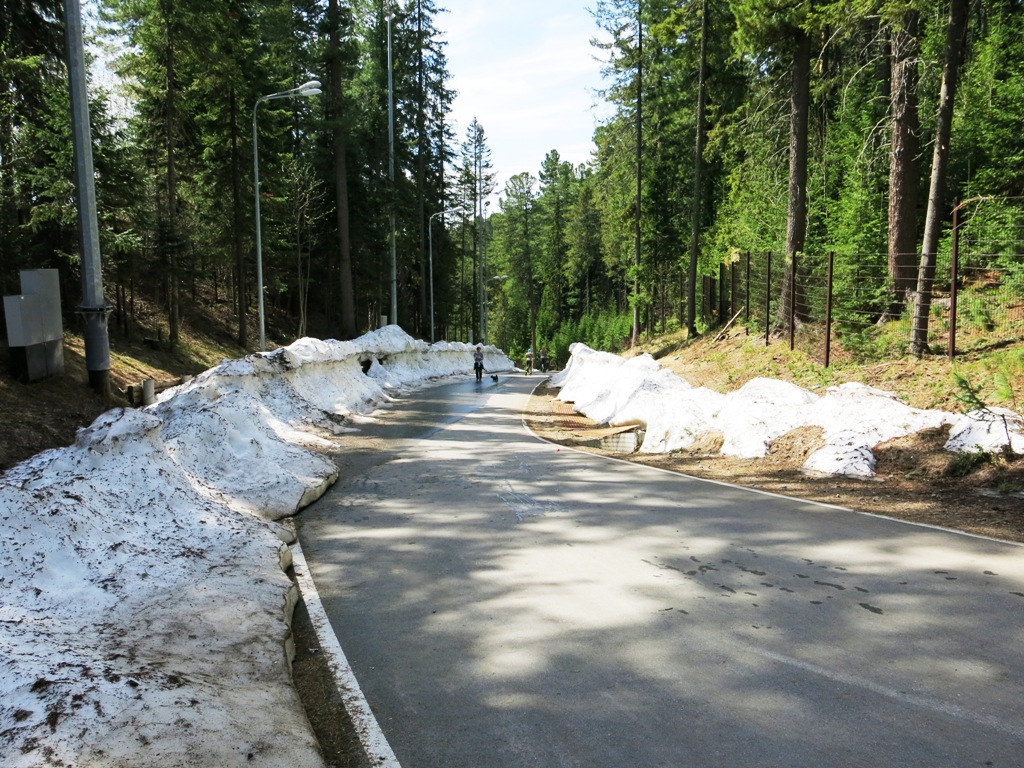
{"type": "Point", "coordinates": [24, 320]}
{"type": "Point", "coordinates": [44, 284]}
{"type": "Point", "coordinates": [35, 332]}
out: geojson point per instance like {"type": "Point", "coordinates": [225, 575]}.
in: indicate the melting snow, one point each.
{"type": "Point", "coordinates": [145, 599]}
{"type": "Point", "coordinates": [854, 417]}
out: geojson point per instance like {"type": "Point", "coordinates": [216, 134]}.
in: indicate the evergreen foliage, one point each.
{"type": "Point", "coordinates": [572, 252]}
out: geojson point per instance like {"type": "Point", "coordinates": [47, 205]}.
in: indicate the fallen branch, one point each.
{"type": "Point", "coordinates": [728, 325]}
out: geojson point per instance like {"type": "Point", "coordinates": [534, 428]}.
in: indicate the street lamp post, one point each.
{"type": "Point", "coordinates": [430, 240]}
{"type": "Point", "coordinates": [487, 302]}
{"type": "Point", "coordinates": [391, 176]}
{"type": "Point", "coordinates": [312, 88]}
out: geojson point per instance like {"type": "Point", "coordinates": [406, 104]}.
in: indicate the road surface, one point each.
{"type": "Point", "coordinates": [506, 602]}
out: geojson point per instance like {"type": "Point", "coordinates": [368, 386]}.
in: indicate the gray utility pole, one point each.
{"type": "Point", "coordinates": [391, 175]}
{"type": "Point", "coordinates": [93, 310]}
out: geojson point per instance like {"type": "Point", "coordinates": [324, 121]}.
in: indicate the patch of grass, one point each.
{"type": "Point", "coordinates": [967, 462]}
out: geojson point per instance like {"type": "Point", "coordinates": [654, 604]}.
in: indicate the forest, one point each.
{"type": "Point", "coordinates": [838, 135]}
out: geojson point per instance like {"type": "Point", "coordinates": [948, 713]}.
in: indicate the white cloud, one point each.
{"type": "Point", "coordinates": [527, 72]}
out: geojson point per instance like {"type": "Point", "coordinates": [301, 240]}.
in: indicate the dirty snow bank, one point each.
{"type": "Point", "coordinates": [854, 417]}
{"type": "Point", "coordinates": [145, 603]}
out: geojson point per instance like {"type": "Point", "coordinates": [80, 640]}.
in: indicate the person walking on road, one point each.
{"type": "Point", "coordinates": [478, 362]}
{"type": "Point", "coordinates": [544, 360]}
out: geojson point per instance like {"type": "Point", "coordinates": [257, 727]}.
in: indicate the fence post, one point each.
{"type": "Point", "coordinates": [828, 309]}
{"type": "Point", "coordinates": [954, 270]}
{"type": "Point", "coordinates": [732, 287]}
{"type": "Point", "coordinates": [704, 301]}
{"type": "Point", "coordinates": [792, 304]}
{"type": "Point", "coordinates": [723, 312]}
{"type": "Point", "coordinates": [746, 292]}
{"type": "Point", "coordinates": [768, 301]}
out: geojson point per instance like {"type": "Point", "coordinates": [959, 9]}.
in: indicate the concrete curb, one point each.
{"type": "Point", "coordinates": [378, 751]}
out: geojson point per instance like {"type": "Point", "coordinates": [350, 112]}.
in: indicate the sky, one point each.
{"type": "Point", "coordinates": [527, 71]}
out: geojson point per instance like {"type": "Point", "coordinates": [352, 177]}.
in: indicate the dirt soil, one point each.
{"type": "Point", "coordinates": [916, 479]}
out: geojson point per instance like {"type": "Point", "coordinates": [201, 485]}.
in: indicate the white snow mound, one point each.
{"type": "Point", "coordinates": [146, 608]}
{"type": "Point", "coordinates": [853, 417]}
{"type": "Point", "coordinates": [989, 430]}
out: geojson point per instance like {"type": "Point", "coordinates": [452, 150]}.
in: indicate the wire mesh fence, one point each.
{"type": "Point", "coordinates": [860, 306]}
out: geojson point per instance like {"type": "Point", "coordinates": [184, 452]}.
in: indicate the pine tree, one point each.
{"type": "Point", "coordinates": [338, 22]}
{"type": "Point", "coordinates": [955, 34]}
{"type": "Point", "coordinates": [779, 28]}
{"type": "Point", "coordinates": [31, 59]}
{"type": "Point", "coordinates": [905, 143]}
{"type": "Point", "coordinates": [623, 22]}
{"type": "Point", "coordinates": [479, 175]}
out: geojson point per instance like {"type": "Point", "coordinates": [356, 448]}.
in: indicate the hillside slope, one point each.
{"type": "Point", "coordinates": [47, 413]}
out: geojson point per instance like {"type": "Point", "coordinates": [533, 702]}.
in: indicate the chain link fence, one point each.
{"type": "Point", "coordinates": [857, 306]}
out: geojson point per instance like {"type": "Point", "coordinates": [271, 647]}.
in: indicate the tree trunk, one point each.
{"type": "Point", "coordinates": [335, 104]}
{"type": "Point", "coordinates": [940, 161]}
{"type": "Point", "coordinates": [639, 172]}
{"type": "Point", "coordinates": [796, 218]}
{"type": "Point", "coordinates": [903, 172]}
{"type": "Point", "coordinates": [8, 203]}
{"type": "Point", "coordinates": [170, 136]}
{"type": "Point", "coordinates": [698, 172]}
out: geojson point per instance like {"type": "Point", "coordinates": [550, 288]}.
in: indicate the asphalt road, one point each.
{"type": "Point", "coordinates": [504, 602]}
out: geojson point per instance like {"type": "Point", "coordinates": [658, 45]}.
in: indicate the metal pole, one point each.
{"type": "Point", "coordinates": [746, 291]}
{"type": "Point", "coordinates": [259, 233]}
{"type": "Point", "coordinates": [768, 301]}
{"type": "Point", "coordinates": [430, 240]}
{"type": "Point", "coordinates": [480, 237]}
{"type": "Point", "coordinates": [312, 88]}
{"type": "Point", "coordinates": [391, 177]}
{"type": "Point", "coordinates": [828, 309]}
{"type": "Point", "coordinates": [732, 286]}
{"type": "Point", "coordinates": [792, 305]}
{"type": "Point", "coordinates": [93, 308]}
{"type": "Point", "coordinates": [954, 270]}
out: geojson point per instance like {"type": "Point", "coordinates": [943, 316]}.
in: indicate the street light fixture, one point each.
{"type": "Point", "coordinates": [430, 239]}
{"type": "Point", "coordinates": [311, 88]}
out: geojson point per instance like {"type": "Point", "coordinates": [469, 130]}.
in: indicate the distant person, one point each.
{"type": "Point", "coordinates": [529, 361]}
{"type": "Point", "coordinates": [478, 362]}
{"type": "Point", "coordinates": [544, 361]}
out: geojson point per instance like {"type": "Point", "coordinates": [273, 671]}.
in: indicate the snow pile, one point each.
{"type": "Point", "coordinates": [759, 412]}
{"type": "Point", "coordinates": [145, 610]}
{"type": "Point", "coordinates": [854, 418]}
{"type": "Point", "coordinates": [987, 430]}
